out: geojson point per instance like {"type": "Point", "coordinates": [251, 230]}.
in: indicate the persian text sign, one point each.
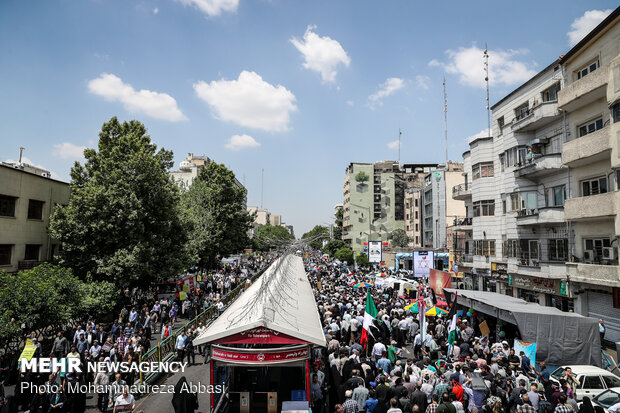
{"type": "Point", "coordinates": [264, 357]}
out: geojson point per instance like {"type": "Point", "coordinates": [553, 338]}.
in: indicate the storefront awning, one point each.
{"type": "Point", "coordinates": [279, 303]}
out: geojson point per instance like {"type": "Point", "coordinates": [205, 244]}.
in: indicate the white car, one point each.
{"type": "Point", "coordinates": [592, 380]}
{"type": "Point", "coordinates": [610, 398]}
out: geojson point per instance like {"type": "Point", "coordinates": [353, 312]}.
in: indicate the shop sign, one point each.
{"type": "Point", "coordinates": [540, 285]}
{"type": "Point", "coordinates": [259, 335]}
{"type": "Point", "coordinates": [499, 267]}
{"type": "Point", "coordinates": [510, 279]}
{"type": "Point", "coordinates": [260, 357]}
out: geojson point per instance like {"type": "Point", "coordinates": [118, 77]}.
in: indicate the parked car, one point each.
{"type": "Point", "coordinates": [605, 400]}
{"type": "Point", "coordinates": [592, 380]}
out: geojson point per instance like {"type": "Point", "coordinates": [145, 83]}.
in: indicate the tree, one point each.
{"type": "Point", "coordinates": [49, 295]}
{"type": "Point", "coordinates": [345, 255]}
{"type": "Point", "coordinates": [122, 221]}
{"type": "Point", "coordinates": [362, 261]}
{"type": "Point", "coordinates": [337, 231]}
{"type": "Point", "coordinates": [400, 238]}
{"type": "Point", "coordinates": [213, 211]}
{"type": "Point", "coordinates": [362, 177]}
{"type": "Point", "coordinates": [334, 245]}
{"type": "Point", "coordinates": [270, 236]}
{"type": "Point", "coordinates": [315, 236]}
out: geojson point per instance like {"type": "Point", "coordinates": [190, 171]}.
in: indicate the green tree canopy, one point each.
{"type": "Point", "coordinates": [362, 261]}
{"type": "Point", "coordinates": [122, 221]}
{"type": "Point", "coordinates": [345, 255]}
{"type": "Point", "coordinates": [49, 295]}
{"type": "Point", "coordinates": [362, 177]}
{"type": "Point", "coordinates": [315, 236]}
{"type": "Point", "coordinates": [334, 245]}
{"type": "Point", "coordinates": [400, 238]}
{"type": "Point", "coordinates": [337, 231]}
{"type": "Point", "coordinates": [217, 221]}
{"type": "Point", "coordinates": [271, 236]}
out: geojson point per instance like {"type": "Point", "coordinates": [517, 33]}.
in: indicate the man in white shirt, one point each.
{"type": "Point", "coordinates": [378, 349]}
{"type": "Point", "coordinates": [125, 399]}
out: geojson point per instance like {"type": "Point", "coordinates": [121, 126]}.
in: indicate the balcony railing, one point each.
{"type": "Point", "coordinates": [461, 191]}
{"type": "Point", "coordinates": [527, 212]}
{"type": "Point", "coordinates": [462, 221]}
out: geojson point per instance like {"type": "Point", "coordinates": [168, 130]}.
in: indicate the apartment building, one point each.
{"type": "Point", "coordinates": [438, 206]}
{"type": "Point", "coordinates": [414, 174]}
{"type": "Point", "coordinates": [590, 97]}
{"type": "Point", "coordinates": [27, 201]}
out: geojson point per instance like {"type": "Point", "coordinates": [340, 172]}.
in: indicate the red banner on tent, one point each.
{"type": "Point", "coordinates": [259, 335]}
{"type": "Point", "coordinates": [438, 280]}
{"type": "Point", "coordinates": [263, 357]}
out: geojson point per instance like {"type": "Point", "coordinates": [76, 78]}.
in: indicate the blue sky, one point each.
{"type": "Point", "coordinates": [299, 88]}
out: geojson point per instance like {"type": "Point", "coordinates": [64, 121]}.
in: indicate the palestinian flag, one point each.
{"type": "Point", "coordinates": [452, 331]}
{"type": "Point", "coordinates": [369, 316]}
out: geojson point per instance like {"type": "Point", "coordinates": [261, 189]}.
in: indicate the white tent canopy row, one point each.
{"type": "Point", "coordinates": [560, 337]}
{"type": "Point", "coordinates": [281, 299]}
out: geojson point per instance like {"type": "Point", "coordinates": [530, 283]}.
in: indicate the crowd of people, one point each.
{"type": "Point", "coordinates": [401, 370]}
{"type": "Point", "coordinates": [133, 331]}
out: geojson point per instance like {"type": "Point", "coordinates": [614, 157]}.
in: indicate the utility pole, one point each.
{"type": "Point", "coordinates": [445, 116]}
{"type": "Point", "coordinates": [486, 79]}
{"type": "Point", "coordinates": [399, 135]}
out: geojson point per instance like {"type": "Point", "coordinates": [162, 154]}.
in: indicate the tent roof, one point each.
{"type": "Point", "coordinates": [281, 299]}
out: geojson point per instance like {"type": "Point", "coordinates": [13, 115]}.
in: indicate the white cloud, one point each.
{"type": "Point", "coordinates": [68, 150]}
{"type": "Point", "coordinates": [237, 142]}
{"type": "Point", "coordinates": [249, 101]}
{"type": "Point", "coordinates": [212, 8]}
{"type": "Point", "coordinates": [350, 102]}
{"type": "Point", "coordinates": [387, 88]}
{"type": "Point", "coordinates": [29, 162]}
{"type": "Point", "coordinates": [482, 134]}
{"type": "Point", "coordinates": [422, 81]}
{"type": "Point", "coordinates": [583, 25]}
{"type": "Point", "coordinates": [393, 144]}
{"type": "Point", "coordinates": [468, 64]}
{"type": "Point", "coordinates": [155, 10]}
{"type": "Point", "coordinates": [154, 104]}
{"type": "Point", "coordinates": [322, 54]}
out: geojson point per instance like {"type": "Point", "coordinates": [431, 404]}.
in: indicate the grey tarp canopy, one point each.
{"type": "Point", "coordinates": [561, 338]}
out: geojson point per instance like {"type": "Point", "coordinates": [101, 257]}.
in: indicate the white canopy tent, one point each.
{"type": "Point", "coordinates": [281, 300]}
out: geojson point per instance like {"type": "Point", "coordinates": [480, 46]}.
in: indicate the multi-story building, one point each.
{"type": "Point", "coordinates": [590, 97]}
{"type": "Point", "coordinates": [438, 206]}
{"type": "Point", "coordinates": [414, 175]}
{"type": "Point", "coordinates": [374, 202]}
{"type": "Point", "coordinates": [27, 200]}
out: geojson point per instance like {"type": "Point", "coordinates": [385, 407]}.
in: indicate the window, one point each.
{"type": "Point", "coordinates": [592, 382]}
{"type": "Point", "coordinates": [556, 196]}
{"type": "Point", "coordinates": [35, 209]}
{"type": "Point", "coordinates": [7, 206]}
{"type": "Point", "coordinates": [482, 170]}
{"type": "Point", "coordinates": [417, 239]}
{"type": "Point", "coordinates": [529, 252]}
{"type": "Point", "coordinates": [503, 207]}
{"type": "Point", "coordinates": [416, 215]}
{"type": "Point", "coordinates": [522, 111]}
{"type": "Point", "coordinates": [511, 248]}
{"type": "Point", "coordinates": [484, 247]}
{"type": "Point", "coordinates": [484, 208]}
{"type": "Point", "coordinates": [416, 227]}
{"type": "Point", "coordinates": [516, 156]}
{"type": "Point", "coordinates": [523, 201]}
{"type": "Point", "coordinates": [611, 381]}
{"type": "Point", "coordinates": [615, 112]}
{"type": "Point", "coordinates": [32, 253]}
{"type": "Point", "coordinates": [551, 94]}
{"type": "Point", "coordinates": [558, 250]}
{"type": "Point", "coordinates": [590, 127]}
{"type": "Point", "coordinates": [594, 186]}
{"type": "Point", "coordinates": [586, 70]}
{"type": "Point", "coordinates": [597, 245]}
{"type": "Point", "coordinates": [416, 202]}
{"type": "Point", "coordinates": [5, 254]}
{"type": "Point", "coordinates": [500, 124]}
{"type": "Point", "coordinates": [502, 161]}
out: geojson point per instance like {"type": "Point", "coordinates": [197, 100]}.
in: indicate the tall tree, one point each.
{"type": "Point", "coordinates": [316, 235]}
{"type": "Point", "coordinates": [337, 232]}
{"type": "Point", "coordinates": [122, 221]}
{"type": "Point", "coordinates": [213, 209]}
{"type": "Point", "coordinates": [271, 236]}
{"type": "Point", "coordinates": [400, 238]}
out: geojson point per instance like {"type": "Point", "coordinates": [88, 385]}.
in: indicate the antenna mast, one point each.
{"type": "Point", "coordinates": [445, 117]}
{"type": "Point", "coordinates": [262, 184]}
{"type": "Point", "coordinates": [486, 79]}
{"type": "Point", "coordinates": [399, 134]}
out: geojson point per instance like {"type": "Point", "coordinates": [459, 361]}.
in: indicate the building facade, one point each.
{"type": "Point", "coordinates": [27, 200]}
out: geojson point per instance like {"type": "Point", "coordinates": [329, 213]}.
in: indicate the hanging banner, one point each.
{"type": "Point", "coordinates": [423, 261]}
{"type": "Point", "coordinates": [259, 335]}
{"type": "Point", "coordinates": [438, 280]}
{"type": "Point", "coordinates": [375, 252]}
{"type": "Point", "coordinates": [484, 329]}
{"type": "Point", "coordinates": [528, 348]}
{"type": "Point", "coordinates": [453, 268]}
{"type": "Point", "coordinates": [28, 351]}
{"type": "Point", "coordinates": [238, 356]}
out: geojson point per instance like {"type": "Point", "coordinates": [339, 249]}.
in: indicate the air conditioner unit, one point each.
{"type": "Point", "coordinates": [609, 253]}
{"type": "Point", "coordinates": [588, 255]}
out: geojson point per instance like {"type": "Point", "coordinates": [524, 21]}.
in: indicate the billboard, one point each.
{"type": "Point", "coordinates": [374, 252]}
{"type": "Point", "coordinates": [423, 261]}
{"type": "Point", "coordinates": [438, 280]}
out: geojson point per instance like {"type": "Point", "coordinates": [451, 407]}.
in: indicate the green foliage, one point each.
{"type": "Point", "coordinates": [271, 236]}
{"type": "Point", "coordinates": [49, 295]}
{"type": "Point", "coordinates": [122, 221]}
{"type": "Point", "coordinates": [362, 177]}
{"type": "Point", "coordinates": [213, 211]}
{"type": "Point", "coordinates": [334, 245]}
{"type": "Point", "coordinates": [315, 236]}
{"type": "Point", "coordinates": [337, 231]}
{"type": "Point", "coordinates": [400, 238]}
{"type": "Point", "coordinates": [345, 255]}
{"type": "Point", "coordinates": [362, 261]}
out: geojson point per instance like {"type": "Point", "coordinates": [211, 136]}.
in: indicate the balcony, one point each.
{"type": "Point", "coordinates": [591, 207]}
{"type": "Point", "coordinates": [465, 260]}
{"type": "Point", "coordinates": [592, 147]}
{"type": "Point", "coordinates": [540, 166]}
{"type": "Point", "coordinates": [537, 117]}
{"type": "Point", "coordinates": [584, 91]}
{"type": "Point", "coordinates": [461, 192]}
{"type": "Point", "coordinates": [608, 275]}
{"type": "Point", "coordinates": [462, 224]}
{"type": "Point", "coordinates": [541, 216]}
